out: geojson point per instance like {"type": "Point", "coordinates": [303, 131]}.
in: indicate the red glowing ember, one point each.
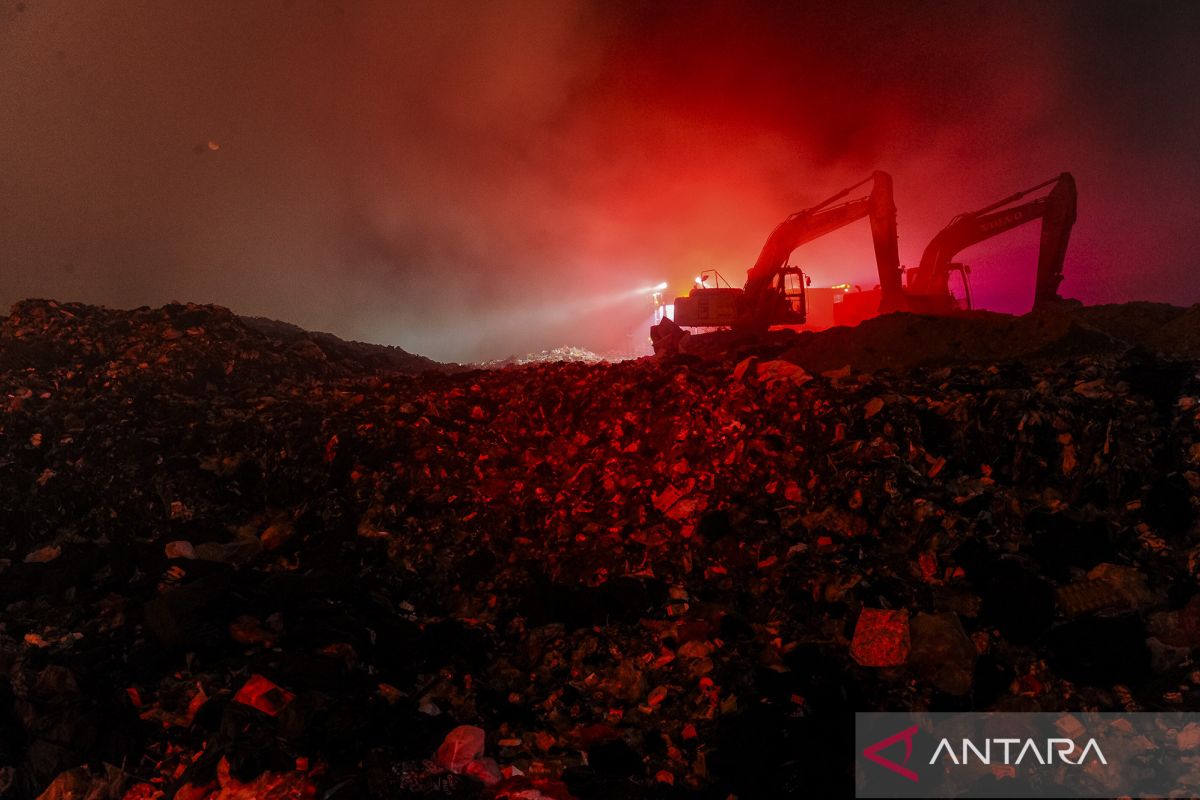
{"type": "Point", "coordinates": [260, 693]}
{"type": "Point", "coordinates": [881, 638]}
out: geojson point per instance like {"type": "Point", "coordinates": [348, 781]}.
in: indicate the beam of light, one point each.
{"type": "Point", "coordinates": [543, 324]}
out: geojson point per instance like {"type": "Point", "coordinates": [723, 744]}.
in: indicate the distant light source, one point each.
{"type": "Point", "coordinates": [661, 287]}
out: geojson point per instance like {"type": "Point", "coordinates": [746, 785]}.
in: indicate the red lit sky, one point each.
{"type": "Point", "coordinates": [470, 180]}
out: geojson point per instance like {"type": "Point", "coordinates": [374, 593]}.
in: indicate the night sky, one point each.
{"type": "Point", "coordinates": [470, 180]}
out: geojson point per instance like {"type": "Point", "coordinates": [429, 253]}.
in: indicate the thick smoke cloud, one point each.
{"type": "Point", "coordinates": [469, 180]}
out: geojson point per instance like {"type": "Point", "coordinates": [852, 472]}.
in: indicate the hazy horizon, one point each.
{"type": "Point", "coordinates": [470, 181]}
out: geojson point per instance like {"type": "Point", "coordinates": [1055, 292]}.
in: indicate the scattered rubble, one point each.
{"type": "Point", "coordinates": [234, 567]}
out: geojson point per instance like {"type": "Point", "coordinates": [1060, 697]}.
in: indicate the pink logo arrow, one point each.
{"type": "Point", "coordinates": [907, 735]}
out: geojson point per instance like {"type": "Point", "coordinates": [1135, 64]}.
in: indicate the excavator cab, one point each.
{"type": "Point", "coordinates": [957, 289]}
{"type": "Point", "coordinates": [962, 296]}
{"type": "Point", "coordinates": [791, 283]}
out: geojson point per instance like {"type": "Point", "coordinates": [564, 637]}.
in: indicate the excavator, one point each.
{"type": "Point", "coordinates": [774, 293]}
{"type": "Point", "coordinates": [927, 288]}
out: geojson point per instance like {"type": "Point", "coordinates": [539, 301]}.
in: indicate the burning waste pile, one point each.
{"type": "Point", "coordinates": [235, 565]}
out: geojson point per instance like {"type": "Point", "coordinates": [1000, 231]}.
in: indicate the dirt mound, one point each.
{"type": "Point", "coordinates": [905, 341]}
{"type": "Point", "coordinates": [1134, 323]}
{"type": "Point", "coordinates": [1180, 336]}
{"type": "Point", "coordinates": [200, 344]}
{"type": "Point", "coordinates": [901, 341]}
{"type": "Point", "coordinates": [355, 357]}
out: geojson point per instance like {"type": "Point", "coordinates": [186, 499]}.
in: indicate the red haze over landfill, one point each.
{"type": "Point", "coordinates": [313, 485]}
{"type": "Point", "coordinates": [470, 182]}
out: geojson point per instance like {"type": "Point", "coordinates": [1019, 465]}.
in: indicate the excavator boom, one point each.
{"type": "Point", "coordinates": [813, 223]}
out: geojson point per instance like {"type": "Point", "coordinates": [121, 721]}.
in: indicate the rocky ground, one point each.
{"type": "Point", "coordinates": [243, 561]}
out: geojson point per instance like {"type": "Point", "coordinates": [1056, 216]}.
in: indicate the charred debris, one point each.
{"type": "Point", "coordinates": [240, 560]}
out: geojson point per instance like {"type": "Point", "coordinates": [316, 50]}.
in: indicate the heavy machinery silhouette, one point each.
{"type": "Point", "coordinates": [774, 293]}
{"type": "Point", "coordinates": [928, 285]}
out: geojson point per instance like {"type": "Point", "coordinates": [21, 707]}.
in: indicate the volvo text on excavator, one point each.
{"type": "Point", "coordinates": [774, 290]}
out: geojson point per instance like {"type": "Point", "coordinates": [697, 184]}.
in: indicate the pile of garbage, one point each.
{"type": "Point", "coordinates": [227, 575]}
{"type": "Point", "coordinates": [205, 345]}
{"type": "Point", "coordinates": [564, 353]}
